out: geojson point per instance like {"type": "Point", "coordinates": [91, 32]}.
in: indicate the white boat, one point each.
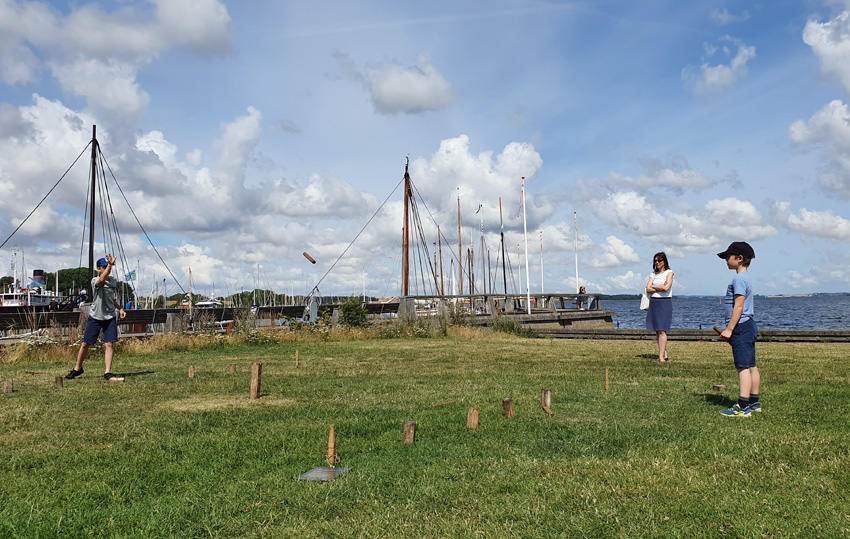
{"type": "Point", "coordinates": [27, 297]}
{"type": "Point", "coordinates": [32, 296]}
{"type": "Point", "coordinates": [209, 304]}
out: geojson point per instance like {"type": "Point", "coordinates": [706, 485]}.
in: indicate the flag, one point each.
{"type": "Point", "coordinates": [130, 276]}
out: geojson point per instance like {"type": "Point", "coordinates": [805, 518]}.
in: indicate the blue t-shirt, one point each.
{"type": "Point", "coordinates": [740, 286]}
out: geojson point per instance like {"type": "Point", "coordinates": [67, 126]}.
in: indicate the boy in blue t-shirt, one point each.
{"type": "Point", "coordinates": [741, 330]}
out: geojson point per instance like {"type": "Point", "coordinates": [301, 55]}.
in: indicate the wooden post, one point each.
{"type": "Point", "coordinates": [256, 374]}
{"type": "Point", "coordinates": [472, 418]}
{"type": "Point", "coordinates": [233, 368]}
{"type": "Point", "coordinates": [409, 435]}
{"type": "Point", "coordinates": [606, 378]}
{"type": "Point", "coordinates": [7, 386]}
{"type": "Point", "coordinates": [333, 458]}
{"type": "Point", "coordinates": [296, 359]}
{"type": "Point", "coordinates": [546, 401]}
{"type": "Point", "coordinates": [719, 387]}
{"type": "Point", "coordinates": [59, 381]}
{"type": "Point", "coordinates": [508, 407]}
{"type": "Point", "coordinates": [191, 372]}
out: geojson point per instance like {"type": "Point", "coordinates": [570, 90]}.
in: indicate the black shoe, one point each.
{"type": "Point", "coordinates": [73, 374]}
{"type": "Point", "coordinates": [109, 377]}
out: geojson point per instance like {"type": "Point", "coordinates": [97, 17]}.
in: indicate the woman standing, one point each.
{"type": "Point", "coordinates": [660, 314]}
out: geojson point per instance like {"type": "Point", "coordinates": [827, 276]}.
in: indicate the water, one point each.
{"type": "Point", "coordinates": [822, 312]}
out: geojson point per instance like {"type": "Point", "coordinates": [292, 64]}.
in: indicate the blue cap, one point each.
{"type": "Point", "coordinates": [102, 263]}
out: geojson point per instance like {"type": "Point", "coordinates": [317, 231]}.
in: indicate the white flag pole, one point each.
{"type": "Point", "coordinates": [575, 221]}
{"type": "Point", "coordinates": [525, 234]}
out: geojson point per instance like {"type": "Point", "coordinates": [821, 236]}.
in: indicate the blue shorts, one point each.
{"type": "Point", "coordinates": [94, 327]}
{"type": "Point", "coordinates": [743, 341]}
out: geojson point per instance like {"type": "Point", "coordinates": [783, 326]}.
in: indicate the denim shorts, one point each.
{"type": "Point", "coordinates": [94, 327]}
{"type": "Point", "coordinates": [743, 341]}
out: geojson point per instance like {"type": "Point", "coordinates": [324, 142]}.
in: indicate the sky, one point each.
{"type": "Point", "coordinates": [244, 134]}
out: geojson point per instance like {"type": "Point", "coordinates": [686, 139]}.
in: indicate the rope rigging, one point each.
{"type": "Point", "coordinates": [110, 235]}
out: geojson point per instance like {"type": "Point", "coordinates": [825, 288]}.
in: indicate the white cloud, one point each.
{"type": "Point", "coordinates": [799, 281]}
{"type": "Point", "coordinates": [711, 78]}
{"type": "Point", "coordinates": [629, 281]}
{"type": "Point", "coordinates": [723, 17]}
{"type": "Point", "coordinates": [828, 129]}
{"type": "Point", "coordinates": [202, 25]}
{"type": "Point", "coordinates": [812, 224]}
{"type": "Point", "coordinates": [694, 230]}
{"type": "Point", "coordinates": [480, 179]}
{"type": "Point", "coordinates": [97, 54]}
{"type": "Point", "coordinates": [830, 41]}
{"type": "Point", "coordinates": [613, 253]}
{"type": "Point", "coordinates": [395, 88]}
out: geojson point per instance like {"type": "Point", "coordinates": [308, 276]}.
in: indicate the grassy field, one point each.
{"type": "Point", "coordinates": [161, 455]}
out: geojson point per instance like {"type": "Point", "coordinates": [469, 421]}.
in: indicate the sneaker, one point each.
{"type": "Point", "coordinates": [736, 411]}
{"type": "Point", "coordinates": [755, 407]}
{"type": "Point", "coordinates": [73, 374]}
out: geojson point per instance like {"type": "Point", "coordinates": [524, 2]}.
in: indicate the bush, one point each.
{"type": "Point", "coordinates": [512, 326]}
{"type": "Point", "coordinates": [352, 312]}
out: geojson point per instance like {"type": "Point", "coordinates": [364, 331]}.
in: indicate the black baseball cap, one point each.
{"type": "Point", "coordinates": [738, 248]}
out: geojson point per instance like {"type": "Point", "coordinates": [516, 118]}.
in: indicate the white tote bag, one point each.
{"type": "Point", "coordinates": [644, 301]}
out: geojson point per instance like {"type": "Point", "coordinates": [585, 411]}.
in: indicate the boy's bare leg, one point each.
{"type": "Point", "coordinates": [745, 381]}
{"type": "Point", "coordinates": [107, 356]}
{"type": "Point", "coordinates": [755, 378]}
{"type": "Point", "coordinates": [81, 356]}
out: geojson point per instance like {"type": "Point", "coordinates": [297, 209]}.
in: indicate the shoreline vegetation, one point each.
{"type": "Point", "coordinates": [634, 448]}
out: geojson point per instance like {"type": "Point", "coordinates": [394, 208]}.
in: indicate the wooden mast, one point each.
{"type": "Point", "coordinates": [94, 149]}
{"type": "Point", "coordinates": [405, 261]}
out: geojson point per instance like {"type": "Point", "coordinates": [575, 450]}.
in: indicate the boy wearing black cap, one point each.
{"type": "Point", "coordinates": [101, 318]}
{"type": "Point", "coordinates": [741, 330]}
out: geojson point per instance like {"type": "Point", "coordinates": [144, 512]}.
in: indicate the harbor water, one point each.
{"type": "Point", "coordinates": [818, 312]}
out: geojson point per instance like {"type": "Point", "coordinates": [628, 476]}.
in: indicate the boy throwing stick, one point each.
{"type": "Point", "coordinates": [101, 318]}
{"type": "Point", "coordinates": [741, 330]}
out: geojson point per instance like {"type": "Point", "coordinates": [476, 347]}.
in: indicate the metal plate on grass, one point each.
{"type": "Point", "coordinates": [322, 473]}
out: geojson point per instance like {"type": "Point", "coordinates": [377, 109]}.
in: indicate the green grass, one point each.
{"type": "Point", "coordinates": [164, 456]}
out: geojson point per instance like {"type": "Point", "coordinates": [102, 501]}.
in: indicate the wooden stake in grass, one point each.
{"type": "Point", "coordinates": [508, 407]}
{"type": "Point", "coordinates": [7, 386]}
{"type": "Point", "coordinates": [606, 378]}
{"type": "Point", "coordinates": [333, 458]}
{"type": "Point", "coordinates": [546, 401]}
{"type": "Point", "coordinates": [719, 387]}
{"type": "Point", "coordinates": [296, 359]}
{"type": "Point", "coordinates": [256, 374]}
{"type": "Point", "coordinates": [191, 372]}
{"type": "Point", "coordinates": [443, 404]}
{"type": "Point", "coordinates": [59, 381]}
{"type": "Point", "coordinates": [233, 368]}
{"type": "Point", "coordinates": [472, 418]}
{"type": "Point", "coordinates": [409, 435]}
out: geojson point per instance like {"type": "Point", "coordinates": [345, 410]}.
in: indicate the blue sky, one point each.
{"type": "Point", "coordinates": [246, 133]}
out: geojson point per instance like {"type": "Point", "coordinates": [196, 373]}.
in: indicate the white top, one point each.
{"type": "Point", "coordinates": [659, 279]}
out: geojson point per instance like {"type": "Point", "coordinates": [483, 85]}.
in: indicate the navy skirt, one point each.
{"type": "Point", "coordinates": [660, 314]}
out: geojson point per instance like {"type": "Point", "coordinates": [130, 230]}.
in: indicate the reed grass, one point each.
{"type": "Point", "coordinates": [164, 456]}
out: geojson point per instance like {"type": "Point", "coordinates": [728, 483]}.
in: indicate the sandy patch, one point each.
{"type": "Point", "coordinates": [202, 404]}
